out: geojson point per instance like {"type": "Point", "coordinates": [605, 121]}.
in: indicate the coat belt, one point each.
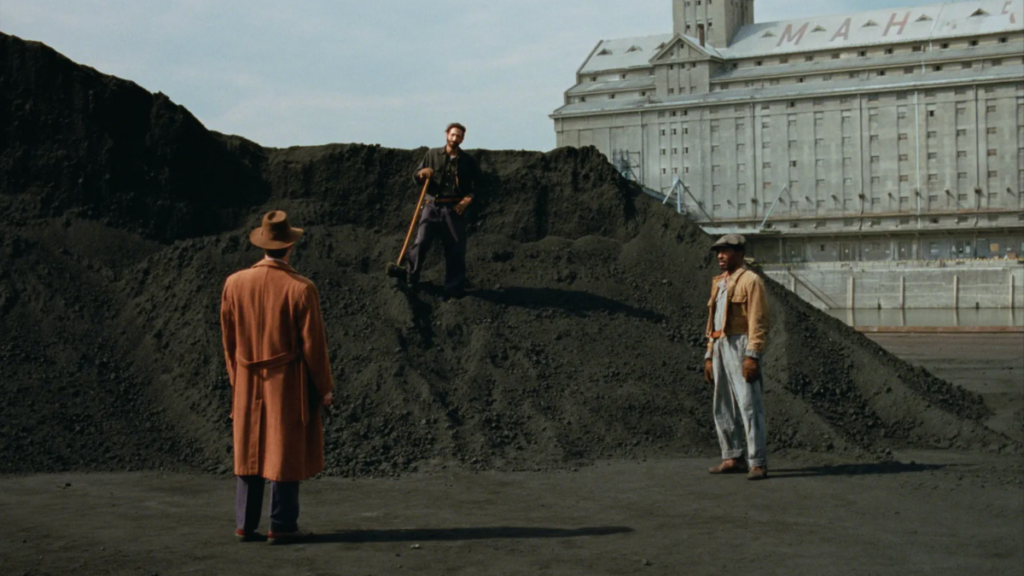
{"type": "Point", "coordinates": [273, 362]}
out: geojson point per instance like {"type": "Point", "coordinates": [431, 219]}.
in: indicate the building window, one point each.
{"type": "Point", "coordinates": [792, 163]}
{"type": "Point", "coordinates": [961, 175]}
{"type": "Point", "coordinates": [903, 158]}
{"type": "Point", "coordinates": [675, 150]}
{"type": "Point", "coordinates": [993, 174]}
{"type": "Point", "coordinates": [933, 134]}
{"type": "Point", "coordinates": [990, 130]}
{"type": "Point", "coordinates": [961, 154]}
{"type": "Point", "coordinates": [662, 151]}
{"type": "Point", "coordinates": [933, 177]}
{"type": "Point", "coordinates": [965, 65]}
{"type": "Point", "coordinates": [904, 178]}
{"type": "Point", "coordinates": [990, 109]}
{"type": "Point", "coordinates": [933, 155]}
{"type": "Point", "coordinates": [961, 132]}
{"type": "Point", "coordinates": [767, 165]}
{"type": "Point", "coordinates": [835, 55]}
{"type": "Point", "coordinates": [992, 152]}
{"type": "Point", "coordinates": [909, 70]}
{"type": "Point", "coordinates": [875, 159]}
{"type": "Point", "coordinates": [903, 136]}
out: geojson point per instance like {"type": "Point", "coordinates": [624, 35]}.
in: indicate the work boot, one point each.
{"type": "Point", "coordinates": [758, 473]}
{"type": "Point", "coordinates": [729, 466]}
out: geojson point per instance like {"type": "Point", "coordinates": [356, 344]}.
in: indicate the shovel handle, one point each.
{"type": "Point", "coordinates": [415, 217]}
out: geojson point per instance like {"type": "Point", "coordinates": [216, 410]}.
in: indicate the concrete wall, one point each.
{"type": "Point", "coordinates": [906, 285]}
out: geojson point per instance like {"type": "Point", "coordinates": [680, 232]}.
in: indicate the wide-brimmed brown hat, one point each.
{"type": "Point", "coordinates": [275, 233]}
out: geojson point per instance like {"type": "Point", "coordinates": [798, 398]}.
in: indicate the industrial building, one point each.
{"type": "Point", "coordinates": [887, 135]}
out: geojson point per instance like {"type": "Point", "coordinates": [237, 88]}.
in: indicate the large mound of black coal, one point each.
{"type": "Point", "coordinates": [122, 215]}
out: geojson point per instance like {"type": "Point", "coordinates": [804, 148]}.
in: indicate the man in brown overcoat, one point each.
{"type": "Point", "coordinates": [276, 353]}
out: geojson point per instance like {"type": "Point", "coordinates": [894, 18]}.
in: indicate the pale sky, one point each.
{"type": "Point", "coordinates": [391, 72]}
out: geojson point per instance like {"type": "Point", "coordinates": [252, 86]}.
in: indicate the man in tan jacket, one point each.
{"type": "Point", "coordinates": [276, 353]}
{"type": "Point", "coordinates": [737, 331]}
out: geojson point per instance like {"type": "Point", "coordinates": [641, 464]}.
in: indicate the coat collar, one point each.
{"type": "Point", "coordinates": [274, 264]}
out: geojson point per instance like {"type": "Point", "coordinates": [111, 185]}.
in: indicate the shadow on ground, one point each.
{"type": "Point", "coordinates": [854, 469]}
{"type": "Point", "coordinates": [456, 534]}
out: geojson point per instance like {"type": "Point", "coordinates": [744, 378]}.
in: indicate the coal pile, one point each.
{"type": "Point", "coordinates": [122, 215]}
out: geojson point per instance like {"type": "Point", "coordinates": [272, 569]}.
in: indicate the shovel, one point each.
{"type": "Point", "coordinates": [394, 269]}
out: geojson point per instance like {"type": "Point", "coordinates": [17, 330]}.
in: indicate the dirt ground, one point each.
{"type": "Point", "coordinates": [931, 512]}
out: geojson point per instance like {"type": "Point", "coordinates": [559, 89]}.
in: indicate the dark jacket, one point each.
{"type": "Point", "coordinates": [466, 169]}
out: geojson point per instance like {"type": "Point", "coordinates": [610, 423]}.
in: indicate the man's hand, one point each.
{"type": "Point", "coordinates": [328, 399]}
{"type": "Point", "coordinates": [425, 174]}
{"type": "Point", "coordinates": [751, 369]}
{"type": "Point", "coordinates": [461, 206]}
{"type": "Point", "coordinates": [709, 372]}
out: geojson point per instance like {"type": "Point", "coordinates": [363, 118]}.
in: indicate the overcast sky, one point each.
{"type": "Point", "coordinates": [390, 72]}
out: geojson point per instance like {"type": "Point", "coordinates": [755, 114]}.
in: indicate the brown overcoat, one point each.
{"type": "Point", "coordinates": [275, 348]}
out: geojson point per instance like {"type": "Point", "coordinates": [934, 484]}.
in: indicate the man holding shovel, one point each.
{"type": "Point", "coordinates": [450, 176]}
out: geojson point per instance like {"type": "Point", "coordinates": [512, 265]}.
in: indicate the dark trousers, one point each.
{"type": "Point", "coordinates": [441, 220]}
{"type": "Point", "coordinates": [284, 504]}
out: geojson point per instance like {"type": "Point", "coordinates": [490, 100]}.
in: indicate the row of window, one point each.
{"type": "Point", "coordinates": [862, 74]}
{"type": "Point", "coordinates": [863, 53]}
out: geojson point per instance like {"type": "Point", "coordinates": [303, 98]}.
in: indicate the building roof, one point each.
{"type": "Point", "coordinates": [875, 27]}
{"type": "Point", "coordinates": [888, 26]}
{"type": "Point", "coordinates": [624, 53]}
{"type": "Point", "coordinates": [611, 86]}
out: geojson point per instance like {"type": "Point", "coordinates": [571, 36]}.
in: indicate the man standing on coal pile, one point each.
{"type": "Point", "coordinates": [276, 352]}
{"type": "Point", "coordinates": [452, 175]}
{"type": "Point", "coordinates": [737, 331]}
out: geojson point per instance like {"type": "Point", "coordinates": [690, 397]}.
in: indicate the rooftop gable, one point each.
{"type": "Point", "coordinates": [624, 53]}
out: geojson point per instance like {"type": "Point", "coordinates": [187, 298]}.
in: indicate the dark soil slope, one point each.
{"type": "Point", "coordinates": [121, 217]}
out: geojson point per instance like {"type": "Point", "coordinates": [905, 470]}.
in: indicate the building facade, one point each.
{"type": "Point", "coordinates": [893, 134]}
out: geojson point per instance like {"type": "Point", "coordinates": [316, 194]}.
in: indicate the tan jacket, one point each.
{"type": "Point", "coordinates": [747, 312]}
{"type": "Point", "coordinates": [275, 348]}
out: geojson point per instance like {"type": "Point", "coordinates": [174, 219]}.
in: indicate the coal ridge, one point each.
{"type": "Point", "coordinates": [584, 338]}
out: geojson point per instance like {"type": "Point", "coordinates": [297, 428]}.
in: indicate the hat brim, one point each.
{"type": "Point", "coordinates": [718, 247]}
{"type": "Point", "coordinates": [260, 240]}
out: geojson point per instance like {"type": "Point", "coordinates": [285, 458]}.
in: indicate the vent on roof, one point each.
{"type": "Point", "coordinates": [979, 12]}
{"type": "Point", "coordinates": [768, 34]}
{"type": "Point", "coordinates": [660, 46]}
{"type": "Point", "coordinates": [633, 49]}
{"type": "Point", "coordinates": [604, 52]}
{"type": "Point", "coordinates": [924, 18]}
{"type": "Point", "coordinates": [870, 23]}
{"type": "Point", "coordinates": [818, 29]}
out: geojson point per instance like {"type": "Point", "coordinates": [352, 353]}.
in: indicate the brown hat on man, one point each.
{"type": "Point", "coordinates": [275, 233]}
{"type": "Point", "coordinates": [736, 241]}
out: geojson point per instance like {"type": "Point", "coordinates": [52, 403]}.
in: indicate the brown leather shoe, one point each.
{"type": "Point", "coordinates": [758, 473]}
{"type": "Point", "coordinates": [288, 537]}
{"type": "Point", "coordinates": [243, 536]}
{"type": "Point", "coordinates": [730, 466]}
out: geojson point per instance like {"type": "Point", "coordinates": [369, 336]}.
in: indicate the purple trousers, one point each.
{"type": "Point", "coordinates": [441, 220]}
{"type": "Point", "coordinates": [284, 504]}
